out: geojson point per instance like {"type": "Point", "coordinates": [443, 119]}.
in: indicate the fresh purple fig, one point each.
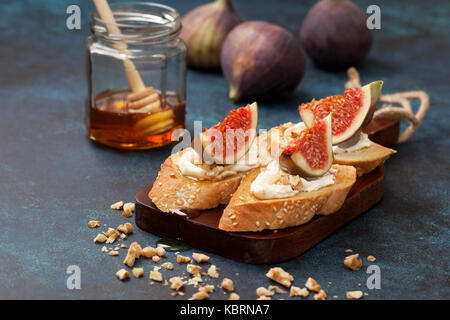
{"type": "Point", "coordinates": [335, 35]}
{"type": "Point", "coordinates": [261, 60]}
{"type": "Point", "coordinates": [204, 30]}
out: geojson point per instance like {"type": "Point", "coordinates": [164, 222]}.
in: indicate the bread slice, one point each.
{"type": "Point", "coordinates": [245, 212]}
{"type": "Point", "coordinates": [171, 190]}
{"type": "Point", "coordinates": [364, 160]}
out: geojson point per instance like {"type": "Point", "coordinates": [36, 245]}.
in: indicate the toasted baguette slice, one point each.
{"type": "Point", "coordinates": [364, 160]}
{"type": "Point", "coordinates": [171, 190]}
{"type": "Point", "coordinates": [245, 212]}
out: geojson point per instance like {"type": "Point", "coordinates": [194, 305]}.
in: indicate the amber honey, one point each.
{"type": "Point", "coordinates": [111, 122]}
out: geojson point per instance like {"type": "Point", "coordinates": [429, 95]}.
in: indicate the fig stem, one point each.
{"type": "Point", "coordinates": [233, 94]}
{"type": "Point", "coordinates": [225, 3]}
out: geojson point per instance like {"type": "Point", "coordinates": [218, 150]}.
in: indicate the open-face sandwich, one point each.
{"type": "Point", "coordinates": [301, 183]}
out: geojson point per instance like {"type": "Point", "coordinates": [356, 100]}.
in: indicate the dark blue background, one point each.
{"type": "Point", "coordinates": [53, 180]}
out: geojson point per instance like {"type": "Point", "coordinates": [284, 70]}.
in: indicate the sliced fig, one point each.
{"type": "Point", "coordinates": [311, 153]}
{"type": "Point", "coordinates": [230, 140]}
{"type": "Point", "coordinates": [351, 112]}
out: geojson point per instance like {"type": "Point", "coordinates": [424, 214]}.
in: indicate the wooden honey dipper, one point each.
{"type": "Point", "coordinates": [142, 99]}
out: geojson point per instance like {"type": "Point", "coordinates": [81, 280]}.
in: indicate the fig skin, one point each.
{"type": "Point", "coordinates": [204, 30]}
{"type": "Point", "coordinates": [261, 60]}
{"type": "Point", "coordinates": [334, 34]}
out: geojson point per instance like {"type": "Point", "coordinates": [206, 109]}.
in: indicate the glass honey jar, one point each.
{"type": "Point", "coordinates": [136, 76]}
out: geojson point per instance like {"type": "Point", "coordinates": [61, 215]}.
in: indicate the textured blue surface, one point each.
{"type": "Point", "coordinates": [53, 180]}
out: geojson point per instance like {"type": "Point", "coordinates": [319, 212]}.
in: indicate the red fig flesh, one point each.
{"type": "Point", "coordinates": [261, 60]}
{"type": "Point", "coordinates": [335, 35]}
{"type": "Point", "coordinates": [204, 30]}
{"type": "Point", "coordinates": [311, 153]}
{"type": "Point", "coordinates": [351, 112]}
{"type": "Point", "coordinates": [230, 140]}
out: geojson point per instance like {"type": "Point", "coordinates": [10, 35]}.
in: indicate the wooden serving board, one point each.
{"type": "Point", "coordinates": [200, 229]}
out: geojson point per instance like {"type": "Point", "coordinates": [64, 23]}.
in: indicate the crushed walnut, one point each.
{"type": "Point", "coordinates": [279, 275]}
{"type": "Point", "coordinates": [156, 275]}
{"type": "Point", "coordinates": [193, 269]}
{"type": "Point", "coordinates": [138, 272]}
{"type": "Point", "coordinates": [207, 288]}
{"type": "Point", "coordinates": [212, 271]}
{"type": "Point", "coordinates": [200, 257]}
{"type": "Point", "coordinates": [183, 259]}
{"type": "Point", "coordinates": [201, 295]}
{"type": "Point", "coordinates": [277, 289]}
{"type": "Point", "coordinates": [234, 296]}
{"type": "Point", "coordinates": [264, 298]}
{"type": "Point", "coordinates": [227, 284]}
{"type": "Point", "coordinates": [354, 294]}
{"type": "Point", "coordinates": [112, 236]}
{"type": "Point", "coordinates": [113, 253]}
{"type": "Point", "coordinates": [353, 262]}
{"type": "Point", "coordinates": [117, 206]}
{"type": "Point", "coordinates": [134, 252]}
{"type": "Point", "coordinates": [160, 251]}
{"type": "Point", "coordinates": [312, 285]}
{"type": "Point", "coordinates": [176, 283]}
{"type": "Point", "coordinates": [122, 274]}
{"type": "Point", "coordinates": [149, 252]}
{"type": "Point", "coordinates": [128, 209]}
{"type": "Point", "coordinates": [126, 228]}
{"type": "Point", "coordinates": [261, 291]}
{"type": "Point", "coordinates": [320, 296]}
{"type": "Point", "coordinates": [167, 265]}
{"type": "Point", "coordinates": [297, 291]}
{"type": "Point", "coordinates": [100, 238]}
{"type": "Point", "coordinates": [371, 259]}
{"type": "Point", "coordinates": [94, 224]}
{"type": "Point", "coordinates": [156, 259]}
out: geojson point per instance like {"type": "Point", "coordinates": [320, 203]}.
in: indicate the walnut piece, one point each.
{"type": "Point", "coordinates": [117, 206]}
{"type": "Point", "coordinates": [183, 259]}
{"type": "Point", "coordinates": [113, 253]}
{"type": "Point", "coordinates": [320, 296]}
{"type": "Point", "coordinates": [277, 289]}
{"type": "Point", "coordinates": [125, 228]}
{"type": "Point", "coordinates": [371, 259]}
{"type": "Point", "coordinates": [128, 209]}
{"type": "Point", "coordinates": [227, 284]}
{"type": "Point", "coordinates": [261, 291]}
{"type": "Point", "coordinates": [207, 288]}
{"type": "Point", "coordinates": [200, 257]}
{"type": "Point", "coordinates": [100, 238]}
{"type": "Point", "coordinates": [149, 252]}
{"type": "Point", "coordinates": [353, 262]}
{"type": "Point", "coordinates": [134, 252]}
{"type": "Point", "coordinates": [122, 274]}
{"type": "Point", "coordinates": [234, 296]}
{"type": "Point", "coordinates": [176, 283]}
{"type": "Point", "coordinates": [354, 294]}
{"type": "Point", "coordinates": [297, 291]}
{"type": "Point", "coordinates": [201, 295]}
{"type": "Point", "coordinates": [264, 298]}
{"type": "Point", "coordinates": [193, 269]}
{"type": "Point", "coordinates": [167, 265]}
{"type": "Point", "coordinates": [112, 237]}
{"type": "Point", "coordinates": [156, 276]}
{"type": "Point", "coordinates": [94, 224]}
{"type": "Point", "coordinates": [160, 251]}
{"type": "Point", "coordinates": [279, 275]}
{"type": "Point", "coordinates": [312, 285]}
{"type": "Point", "coordinates": [156, 259]}
{"type": "Point", "coordinates": [138, 272]}
{"type": "Point", "coordinates": [212, 272]}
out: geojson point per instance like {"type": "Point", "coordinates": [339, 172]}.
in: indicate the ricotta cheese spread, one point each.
{"type": "Point", "coordinates": [190, 165]}
{"type": "Point", "coordinates": [273, 183]}
{"type": "Point", "coordinates": [358, 142]}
